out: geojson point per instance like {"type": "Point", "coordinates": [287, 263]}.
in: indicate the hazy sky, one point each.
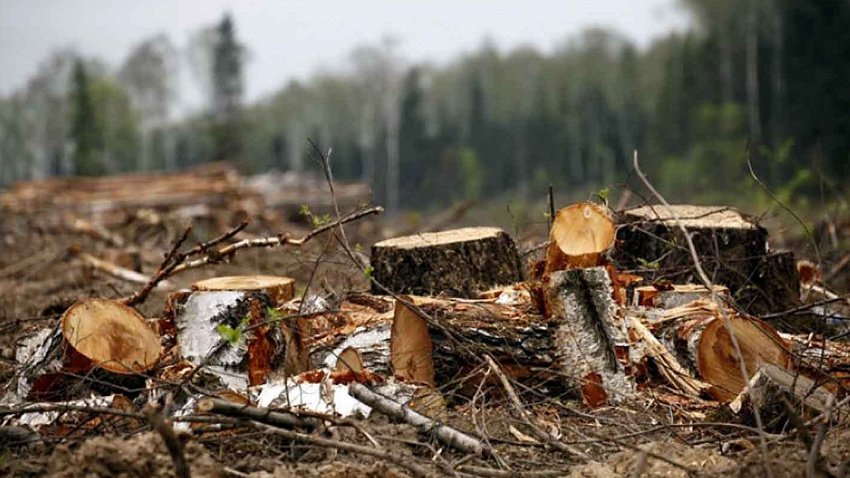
{"type": "Point", "coordinates": [288, 39]}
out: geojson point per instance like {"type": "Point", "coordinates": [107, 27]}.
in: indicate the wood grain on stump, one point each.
{"type": "Point", "coordinates": [279, 289]}
{"type": "Point", "coordinates": [108, 335]}
{"type": "Point", "coordinates": [699, 336]}
{"type": "Point", "coordinates": [580, 235]}
{"type": "Point", "coordinates": [458, 263]}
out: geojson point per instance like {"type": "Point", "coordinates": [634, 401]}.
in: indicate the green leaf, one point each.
{"type": "Point", "coordinates": [229, 334]}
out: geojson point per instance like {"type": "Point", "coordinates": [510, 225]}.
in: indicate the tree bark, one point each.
{"type": "Point", "coordinates": [459, 262]}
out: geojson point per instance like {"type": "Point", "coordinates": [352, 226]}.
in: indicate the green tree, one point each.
{"type": "Point", "coordinates": [227, 91]}
{"type": "Point", "coordinates": [86, 134]}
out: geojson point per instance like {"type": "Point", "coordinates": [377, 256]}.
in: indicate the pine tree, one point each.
{"type": "Point", "coordinates": [227, 89]}
{"type": "Point", "coordinates": [86, 135]}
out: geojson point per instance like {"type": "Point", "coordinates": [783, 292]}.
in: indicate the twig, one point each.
{"type": "Point", "coordinates": [775, 199]}
{"type": "Point", "coordinates": [526, 416]}
{"type": "Point", "coordinates": [262, 415]}
{"type": "Point", "coordinates": [228, 251]}
{"type": "Point", "coordinates": [814, 458]}
{"type": "Point", "coordinates": [551, 198]}
{"type": "Point", "coordinates": [444, 433]}
{"type": "Point", "coordinates": [117, 271]}
{"type": "Point", "coordinates": [174, 445]}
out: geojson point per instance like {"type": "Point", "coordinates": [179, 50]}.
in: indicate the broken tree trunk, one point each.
{"type": "Point", "coordinates": [731, 246]}
{"type": "Point", "coordinates": [459, 262]}
{"type": "Point", "coordinates": [590, 340]}
{"type": "Point", "coordinates": [580, 235]}
{"type": "Point", "coordinates": [697, 333]}
{"type": "Point", "coordinates": [231, 326]}
{"type": "Point", "coordinates": [97, 339]}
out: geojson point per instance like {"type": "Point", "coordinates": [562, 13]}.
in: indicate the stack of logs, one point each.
{"type": "Point", "coordinates": [442, 302]}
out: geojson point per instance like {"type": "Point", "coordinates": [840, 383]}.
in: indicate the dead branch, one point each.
{"type": "Point", "coordinates": [174, 445]}
{"type": "Point", "coordinates": [227, 252]}
{"type": "Point", "coordinates": [117, 271]}
{"type": "Point", "coordinates": [262, 415]}
{"type": "Point", "coordinates": [444, 433]}
{"type": "Point", "coordinates": [509, 389]}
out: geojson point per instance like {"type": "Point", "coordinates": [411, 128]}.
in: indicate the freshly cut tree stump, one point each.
{"type": "Point", "coordinates": [580, 235]}
{"type": "Point", "coordinates": [279, 289]}
{"type": "Point", "coordinates": [698, 335]}
{"type": "Point", "coordinates": [458, 263]}
{"type": "Point", "coordinates": [100, 339]}
{"type": "Point", "coordinates": [230, 325]}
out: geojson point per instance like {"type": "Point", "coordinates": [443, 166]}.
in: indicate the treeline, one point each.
{"type": "Point", "coordinates": [768, 78]}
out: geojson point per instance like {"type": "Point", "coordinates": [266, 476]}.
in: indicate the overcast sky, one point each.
{"type": "Point", "coordinates": [288, 39]}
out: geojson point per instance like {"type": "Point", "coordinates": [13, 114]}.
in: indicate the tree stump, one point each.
{"type": "Point", "coordinates": [99, 339]}
{"type": "Point", "coordinates": [459, 262]}
{"type": "Point", "coordinates": [732, 248]}
{"type": "Point", "coordinates": [230, 324]}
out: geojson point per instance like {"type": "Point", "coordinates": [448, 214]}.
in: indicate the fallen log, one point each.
{"type": "Point", "coordinates": [699, 335]}
{"type": "Point", "coordinates": [459, 262]}
{"type": "Point", "coordinates": [100, 342]}
{"type": "Point", "coordinates": [262, 415]}
{"type": "Point", "coordinates": [580, 235]}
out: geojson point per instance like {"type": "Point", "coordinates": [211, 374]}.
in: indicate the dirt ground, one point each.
{"type": "Point", "coordinates": [41, 274]}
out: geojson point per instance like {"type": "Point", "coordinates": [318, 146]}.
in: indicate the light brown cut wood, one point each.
{"type": "Point", "coordinates": [279, 289]}
{"type": "Point", "coordinates": [108, 335]}
{"type": "Point", "coordinates": [698, 334]}
{"type": "Point", "coordinates": [580, 235]}
{"type": "Point", "coordinates": [349, 360]}
{"type": "Point", "coordinates": [410, 346]}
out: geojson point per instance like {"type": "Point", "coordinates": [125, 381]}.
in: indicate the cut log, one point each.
{"type": "Point", "coordinates": [580, 235]}
{"type": "Point", "coordinates": [410, 346]}
{"type": "Point", "coordinates": [459, 262]}
{"type": "Point", "coordinates": [279, 289]}
{"type": "Point", "coordinates": [100, 345]}
{"type": "Point", "coordinates": [770, 388]}
{"type": "Point", "coordinates": [590, 340]}
{"type": "Point", "coordinates": [697, 333]}
{"type": "Point", "coordinates": [731, 246]}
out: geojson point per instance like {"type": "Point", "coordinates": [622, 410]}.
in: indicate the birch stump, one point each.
{"type": "Point", "coordinates": [231, 326]}
{"type": "Point", "coordinates": [458, 263]}
{"type": "Point", "coordinates": [108, 345]}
